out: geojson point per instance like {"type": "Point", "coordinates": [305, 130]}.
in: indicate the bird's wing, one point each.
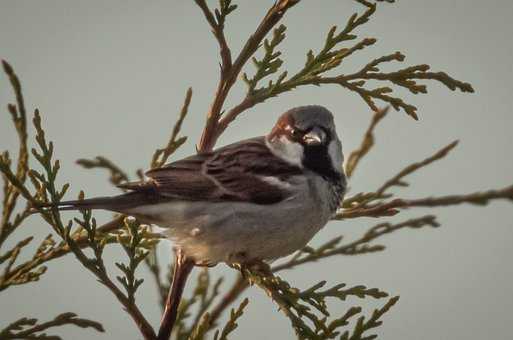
{"type": "Point", "coordinates": [246, 171]}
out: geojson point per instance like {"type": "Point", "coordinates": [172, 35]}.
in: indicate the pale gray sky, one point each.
{"type": "Point", "coordinates": [109, 78]}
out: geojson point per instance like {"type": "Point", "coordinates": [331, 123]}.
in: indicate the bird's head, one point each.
{"type": "Point", "coordinates": [306, 136]}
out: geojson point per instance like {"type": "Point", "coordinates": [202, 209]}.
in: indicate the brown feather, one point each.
{"type": "Point", "coordinates": [232, 173]}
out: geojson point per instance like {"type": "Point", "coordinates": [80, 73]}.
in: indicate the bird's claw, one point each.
{"type": "Point", "coordinates": [257, 267]}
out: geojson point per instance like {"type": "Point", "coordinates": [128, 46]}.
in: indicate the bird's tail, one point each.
{"type": "Point", "coordinates": [119, 203]}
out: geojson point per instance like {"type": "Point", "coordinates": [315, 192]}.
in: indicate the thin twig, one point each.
{"type": "Point", "coordinates": [19, 118]}
{"type": "Point", "coordinates": [218, 31]}
{"type": "Point", "coordinates": [392, 207]}
{"type": "Point", "coordinates": [117, 175]}
{"type": "Point", "coordinates": [26, 328]}
{"type": "Point", "coordinates": [211, 131]}
{"type": "Point", "coordinates": [161, 156]}
{"type": "Point", "coordinates": [367, 142]}
{"type": "Point", "coordinates": [397, 179]}
{"type": "Point", "coordinates": [360, 245]}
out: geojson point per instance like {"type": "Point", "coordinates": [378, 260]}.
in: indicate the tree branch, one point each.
{"type": "Point", "coordinates": [211, 131]}
{"type": "Point", "coordinates": [367, 142]}
{"type": "Point", "coordinates": [392, 207]}
{"type": "Point", "coordinates": [19, 330]}
{"type": "Point", "coordinates": [161, 156]}
{"type": "Point", "coordinates": [117, 176]}
{"type": "Point", "coordinates": [217, 25]}
{"type": "Point", "coordinates": [359, 246]}
{"type": "Point", "coordinates": [182, 268]}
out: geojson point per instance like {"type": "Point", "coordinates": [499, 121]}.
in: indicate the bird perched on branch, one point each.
{"type": "Point", "coordinates": [258, 199]}
{"type": "Point", "coordinates": [255, 200]}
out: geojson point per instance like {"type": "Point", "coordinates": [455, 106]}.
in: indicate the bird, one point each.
{"type": "Point", "coordinates": [245, 204]}
{"type": "Point", "coordinates": [258, 199]}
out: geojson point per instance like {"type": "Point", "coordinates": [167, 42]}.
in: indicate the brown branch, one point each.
{"type": "Point", "coordinates": [360, 200]}
{"type": "Point", "coordinates": [359, 246]}
{"type": "Point", "coordinates": [247, 103]}
{"type": "Point", "coordinates": [211, 131]}
{"type": "Point", "coordinates": [367, 142]}
{"type": "Point", "coordinates": [28, 328]}
{"type": "Point", "coordinates": [182, 268]}
{"type": "Point", "coordinates": [117, 176]}
{"type": "Point", "coordinates": [397, 179]}
{"type": "Point", "coordinates": [161, 156]}
{"type": "Point", "coordinates": [392, 207]}
{"type": "Point", "coordinates": [218, 31]}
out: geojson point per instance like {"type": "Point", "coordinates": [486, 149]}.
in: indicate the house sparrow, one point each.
{"type": "Point", "coordinates": [255, 200]}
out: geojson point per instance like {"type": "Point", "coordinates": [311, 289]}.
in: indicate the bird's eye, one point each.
{"type": "Point", "coordinates": [296, 133]}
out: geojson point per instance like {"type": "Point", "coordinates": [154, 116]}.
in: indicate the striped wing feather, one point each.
{"type": "Point", "coordinates": [233, 173]}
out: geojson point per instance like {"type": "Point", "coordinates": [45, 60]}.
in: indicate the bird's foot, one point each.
{"type": "Point", "coordinates": [257, 267]}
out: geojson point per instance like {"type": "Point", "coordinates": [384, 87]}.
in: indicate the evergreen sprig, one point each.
{"type": "Point", "coordinates": [361, 199]}
{"type": "Point", "coordinates": [231, 324]}
{"type": "Point", "coordinates": [364, 325]}
{"type": "Point", "coordinates": [12, 275]}
{"type": "Point", "coordinates": [307, 309]}
{"type": "Point", "coordinates": [29, 328]}
{"type": "Point", "coordinates": [318, 66]}
{"type": "Point", "coordinates": [10, 194]}
{"type": "Point", "coordinates": [161, 156]}
{"type": "Point", "coordinates": [136, 251]}
{"type": "Point", "coordinates": [269, 64]}
{"type": "Point", "coordinates": [117, 176]}
{"type": "Point", "coordinates": [375, 204]}
{"type": "Point", "coordinates": [204, 325]}
{"type": "Point", "coordinates": [361, 245]}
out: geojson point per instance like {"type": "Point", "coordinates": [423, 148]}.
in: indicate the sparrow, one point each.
{"type": "Point", "coordinates": [258, 199]}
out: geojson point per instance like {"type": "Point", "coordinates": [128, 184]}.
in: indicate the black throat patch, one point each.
{"type": "Point", "coordinates": [317, 159]}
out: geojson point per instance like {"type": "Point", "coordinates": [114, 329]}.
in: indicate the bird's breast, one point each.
{"type": "Point", "coordinates": [214, 232]}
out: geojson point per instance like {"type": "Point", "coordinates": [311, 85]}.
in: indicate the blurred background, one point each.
{"type": "Point", "coordinates": [110, 78]}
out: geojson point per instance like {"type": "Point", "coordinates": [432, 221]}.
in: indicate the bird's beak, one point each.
{"type": "Point", "coordinates": [316, 136]}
